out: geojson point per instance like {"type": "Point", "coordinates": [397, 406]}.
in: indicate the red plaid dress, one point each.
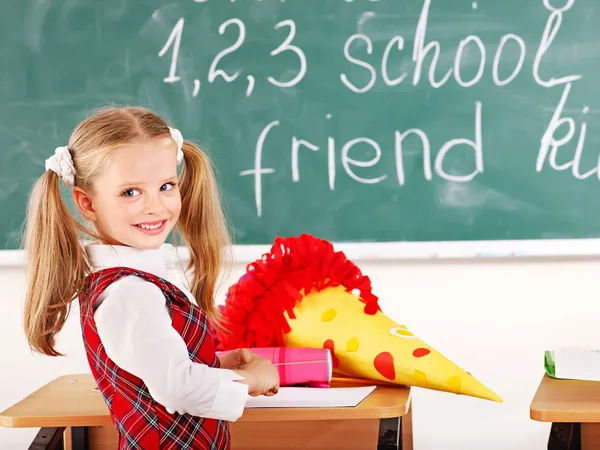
{"type": "Point", "coordinates": [141, 422]}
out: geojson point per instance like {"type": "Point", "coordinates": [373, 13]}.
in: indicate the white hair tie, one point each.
{"type": "Point", "coordinates": [178, 138]}
{"type": "Point", "coordinates": [61, 163]}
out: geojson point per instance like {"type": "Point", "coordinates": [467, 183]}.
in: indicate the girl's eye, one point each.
{"type": "Point", "coordinates": [167, 186]}
{"type": "Point", "coordinates": [130, 192]}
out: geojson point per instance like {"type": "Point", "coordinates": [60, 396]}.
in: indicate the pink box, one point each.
{"type": "Point", "coordinates": [298, 366]}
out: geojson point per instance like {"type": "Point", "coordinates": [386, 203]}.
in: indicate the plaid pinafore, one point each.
{"type": "Point", "coordinates": [141, 422]}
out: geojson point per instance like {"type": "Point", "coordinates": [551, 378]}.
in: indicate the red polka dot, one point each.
{"type": "Point", "coordinates": [328, 344]}
{"type": "Point", "coordinates": [420, 352]}
{"type": "Point", "coordinates": [384, 363]}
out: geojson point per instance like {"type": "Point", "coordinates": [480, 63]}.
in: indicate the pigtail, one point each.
{"type": "Point", "coordinates": [203, 227]}
{"type": "Point", "coordinates": [56, 264]}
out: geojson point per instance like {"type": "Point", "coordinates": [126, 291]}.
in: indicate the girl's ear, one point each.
{"type": "Point", "coordinates": [84, 204]}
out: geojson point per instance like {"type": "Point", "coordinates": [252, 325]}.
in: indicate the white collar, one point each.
{"type": "Point", "coordinates": [161, 261]}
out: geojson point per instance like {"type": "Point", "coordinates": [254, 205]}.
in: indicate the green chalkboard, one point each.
{"type": "Point", "coordinates": [383, 120]}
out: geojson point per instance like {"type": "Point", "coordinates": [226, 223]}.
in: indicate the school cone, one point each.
{"type": "Point", "coordinates": [374, 346]}
{"type": "Point", "coordinates": [303, 294]}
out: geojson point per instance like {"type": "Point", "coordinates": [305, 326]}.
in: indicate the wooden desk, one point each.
{"type": "Point", "coordinates": [72, 406]}
{"type": "Point", "coordinates": [570, 401]}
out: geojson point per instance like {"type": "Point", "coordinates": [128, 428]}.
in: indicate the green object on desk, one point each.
{"type": "Point", "coordinates": [549, 364]}
{"type": "Point", "coordinates": [343, 127]}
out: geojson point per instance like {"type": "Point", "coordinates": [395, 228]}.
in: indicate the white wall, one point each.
{"type": "Point", "coordinates": [494, 318]}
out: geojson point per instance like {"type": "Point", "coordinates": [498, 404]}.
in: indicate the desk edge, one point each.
{"type": "Point", "coordinates": [538, 416]}
{"type": "Point", "coordinates": [7, 422]}
{"type": "Point", "coordinates": [24, 422]}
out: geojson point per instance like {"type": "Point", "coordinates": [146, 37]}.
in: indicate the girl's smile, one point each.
{"type": "Point", "coordinates": [152, 228]}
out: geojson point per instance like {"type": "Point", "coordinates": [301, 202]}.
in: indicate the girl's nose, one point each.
{"type": "Point", "coordinates": [154, 205]}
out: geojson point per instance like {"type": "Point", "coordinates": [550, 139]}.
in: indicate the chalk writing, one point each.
{"type": "Point", "coordinates": [287, 46]}
{"type": "Point", "coordinates": [373, 64]}
{"type": "Point", "coordinates": [215, 72]}
{"type": "Point", "coordinates": [175, 39]}
{"type": "Point", "coordinates": [424, 50]}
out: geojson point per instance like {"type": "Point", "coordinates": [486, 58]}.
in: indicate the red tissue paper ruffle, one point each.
{"type": "Point", "coordinates": [253, 314]}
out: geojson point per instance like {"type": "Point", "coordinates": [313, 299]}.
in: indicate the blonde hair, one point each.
{"type": "Point", "coordinates": [57, 265]}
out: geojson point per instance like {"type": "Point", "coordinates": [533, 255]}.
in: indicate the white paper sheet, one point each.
{"type": "Point", "coordinates": [577, 363]}
{"type": "Point", "coordinates": [304, 397]}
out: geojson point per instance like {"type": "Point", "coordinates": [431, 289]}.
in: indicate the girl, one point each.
{"type": "Point", "coordinates": [146, 336]}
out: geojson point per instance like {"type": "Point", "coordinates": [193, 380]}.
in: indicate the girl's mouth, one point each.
{"type": "Point", "coordinates": [151, 227]}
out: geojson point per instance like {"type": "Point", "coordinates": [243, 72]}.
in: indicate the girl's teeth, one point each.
{"type": "Point", "coordinates": [150, 227]}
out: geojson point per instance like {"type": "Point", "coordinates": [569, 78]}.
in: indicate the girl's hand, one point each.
{"type": "Point", "coordinates": [235, 359]}
{"type": "Point", "coordinates": [261, 376]}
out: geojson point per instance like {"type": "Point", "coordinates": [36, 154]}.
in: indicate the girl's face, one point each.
{"type": "Point", "coordinates": [136, 200]}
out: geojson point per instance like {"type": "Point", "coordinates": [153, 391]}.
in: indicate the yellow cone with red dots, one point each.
{"type": "Point", "coordinates": [374, 346]}
{"type": "Point", "coordinates": [303, 293]}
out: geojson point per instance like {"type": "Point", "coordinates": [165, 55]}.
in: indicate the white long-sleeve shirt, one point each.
{"type": "Point", "coordinates": [134, 325]}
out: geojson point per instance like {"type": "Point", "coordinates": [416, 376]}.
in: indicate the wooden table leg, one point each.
{"type": "Point", "coordinates": [390, 434]}
{"type": "Point", "coordinates": [407, 431]}
{"type": "Point", "coordinates": [67, 439]}
{"type": "Point", "coordinates": [79, 438]}
{"type": "Point", "coordinates": [396, 433]}
{"type": "Point", "coordinates": [590, 436]}
{"type": "Point", "coordinates": [48, 439]}
{"type": "Point", "coordinates": [76, 438]}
